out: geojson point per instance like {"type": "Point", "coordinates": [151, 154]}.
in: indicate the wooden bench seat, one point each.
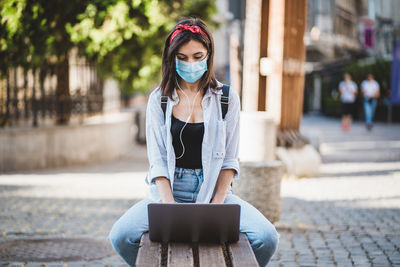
{"type": "Point", "coordinates": [237, 254]}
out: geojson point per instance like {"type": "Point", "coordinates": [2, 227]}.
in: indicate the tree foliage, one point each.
{"type": "Point", "coordinates": [126, 37]}
{"type": "Point", "coordinates": [380, 68]}
{"type": "Point", "coordinates": [33, 32]}
{"type": "Point", "coordinates": [123, 37]}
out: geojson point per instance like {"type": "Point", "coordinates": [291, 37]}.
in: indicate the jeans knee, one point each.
{"type": "Point", "coordinates": [125, 244]}
{"type": "Point", "coordinates": [268, 242]}
{"type": "Point", "coordinates": [120, 239]}
{"type": "Point", "coordinates": [116, 239]}
{"type": "Point", "coordinates": [265, 245]}
{"type": "Point", "coordinates": [272, 241]}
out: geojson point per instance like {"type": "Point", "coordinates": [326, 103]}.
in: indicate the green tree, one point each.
{"type": "Point", "coordinates": [124, 38]}
{"type": "Point", "coordinates": [34, 36]}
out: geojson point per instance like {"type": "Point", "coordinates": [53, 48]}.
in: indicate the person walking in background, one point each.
{"type": "Point", "coordinates": [371, 92]}
{"type": "Point", "coordinates": [348, 93]}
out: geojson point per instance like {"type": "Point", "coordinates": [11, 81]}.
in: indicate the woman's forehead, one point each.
{"type": "Point", "coordinates": [192, 47]}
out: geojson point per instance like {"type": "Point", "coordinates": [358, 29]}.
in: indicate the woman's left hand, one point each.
{"type": "Point", "coordinates": [218, 199]}
{"type": "Point", "coordinates": [224, 181]}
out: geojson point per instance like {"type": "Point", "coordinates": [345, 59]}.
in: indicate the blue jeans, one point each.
{"type": "Point", "coordinates": [369, 110]}
{"type": "Point", "coordinates": [127, 230]}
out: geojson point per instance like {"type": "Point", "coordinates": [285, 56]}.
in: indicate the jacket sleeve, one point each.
{"type": "Point", "coordinates": [232, 118]}
{"type": "Point", "coordinates": [156, 138]}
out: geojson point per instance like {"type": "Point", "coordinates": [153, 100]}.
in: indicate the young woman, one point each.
{"type": "Point", "coordinates": [192, 151]}
{"type": "Point", "coordinates": [348, 93]}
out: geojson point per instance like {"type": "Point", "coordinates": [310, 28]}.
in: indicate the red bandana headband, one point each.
{"type": "Point", "coordinates": [180, 28]}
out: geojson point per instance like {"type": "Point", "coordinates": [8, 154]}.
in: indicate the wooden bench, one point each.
{"type": "Point", "coordinates": [237, 254]}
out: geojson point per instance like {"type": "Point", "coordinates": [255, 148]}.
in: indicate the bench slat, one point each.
{"type": "Point", "coordinates": [149, 252]}
{"type": "Point", "coordinates": [211, 255]}
{"type": "Point", "coordinates": [242, 253]}
{"type": "Point", "coordinates": [180, 254]}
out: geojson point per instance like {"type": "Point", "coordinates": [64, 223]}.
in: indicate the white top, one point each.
{"type": "Point", "coordinates": [347, 90]}
{"type": "Point", "coordinates": [220, 147]}
{"type": "Point", "coordinates": [369, 88]}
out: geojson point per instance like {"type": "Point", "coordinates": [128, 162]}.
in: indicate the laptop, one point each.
{"type": "Point", "coordinates": [193, 222]}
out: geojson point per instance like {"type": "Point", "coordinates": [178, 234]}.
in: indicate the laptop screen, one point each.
{"type": "Point", "coordinates": [193, 222]}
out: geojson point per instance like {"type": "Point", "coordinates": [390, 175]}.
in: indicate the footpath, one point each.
{"type": "Point", "coordinates": [348, 216]}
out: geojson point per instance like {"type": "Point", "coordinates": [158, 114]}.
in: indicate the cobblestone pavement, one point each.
{"type": "Point", "coordinates": [348, 216]}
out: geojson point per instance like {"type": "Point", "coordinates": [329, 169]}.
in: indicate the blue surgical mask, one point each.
{"type": "Point", "coordinates": [191, 71]}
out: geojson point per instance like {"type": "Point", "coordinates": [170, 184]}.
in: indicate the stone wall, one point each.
{"type": "Point", "coordinates": [99, 139]}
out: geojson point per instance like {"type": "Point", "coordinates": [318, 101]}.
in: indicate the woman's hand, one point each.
{"type": "Point", "coordinates": [223, 183]}
{"type": "Point", "coordinates": [164, 188]}
{"type": "Point", "coordinates": [218, 199]}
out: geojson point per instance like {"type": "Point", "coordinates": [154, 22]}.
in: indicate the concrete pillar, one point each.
{"type": "Point", "coordinates": [257, 136]}
{"type": "Point", "coordinates": [275, 54]}
{"type": "Point", "coordinates": [251, 55]}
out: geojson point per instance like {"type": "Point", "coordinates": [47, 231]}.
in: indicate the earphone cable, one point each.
{"type": "Point", "coordinates": [192, 109]}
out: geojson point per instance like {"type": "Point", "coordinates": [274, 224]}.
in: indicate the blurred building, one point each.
{"type": "Point", "coordinates": [332, 30]}
{"type": "Point", "coordinates": [344, 31]}
{"type": "Point", "coordinates": [386, 24]}
{"type": "Point", "coordinates": [339, 29]}
{"type": "Point", "coordinates": [228, 41]}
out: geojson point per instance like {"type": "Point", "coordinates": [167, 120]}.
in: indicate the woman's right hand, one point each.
{"type": "Point", "coordinates": [164, 188]}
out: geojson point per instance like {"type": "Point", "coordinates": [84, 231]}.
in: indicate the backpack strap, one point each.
{"type": "Point", "coordinates": [224, 100]}
{"type": "Point", "coordinates": [164, 100]}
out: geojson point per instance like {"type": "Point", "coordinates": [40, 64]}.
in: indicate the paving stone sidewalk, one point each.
{"type": "Point", "coordinates": [348, 216]}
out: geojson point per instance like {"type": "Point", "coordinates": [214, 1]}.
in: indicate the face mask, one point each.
{"type": "Point", "coordinates": [191, 71]}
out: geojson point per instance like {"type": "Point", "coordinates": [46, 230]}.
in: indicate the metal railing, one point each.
{"type": "Point", "coordinates": [29, 98]}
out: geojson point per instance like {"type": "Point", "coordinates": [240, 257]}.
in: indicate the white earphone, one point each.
{"type": "Point", "coordinates": [192, 109]}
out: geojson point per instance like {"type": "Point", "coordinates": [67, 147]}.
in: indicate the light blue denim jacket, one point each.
{"type": "Point", "coordinates": [220, 142]}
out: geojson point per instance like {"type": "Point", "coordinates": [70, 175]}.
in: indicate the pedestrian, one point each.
{"type": "Point", "coordinates": [192, 149]}
{"type": "Point", "coordinates": [348, 92]}
{"type": "Point", "coordinates": [371, 92]}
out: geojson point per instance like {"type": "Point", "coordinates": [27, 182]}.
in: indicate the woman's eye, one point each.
{"type": "Point", "coordinates": [198, 57]}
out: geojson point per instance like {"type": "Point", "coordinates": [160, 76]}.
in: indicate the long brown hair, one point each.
{"type": "Point", "coordinates": [169, 74]}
